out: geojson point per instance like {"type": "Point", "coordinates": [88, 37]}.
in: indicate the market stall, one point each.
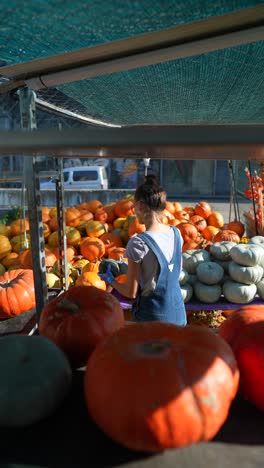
{"type": "Point", "coordinates": [191, 82]}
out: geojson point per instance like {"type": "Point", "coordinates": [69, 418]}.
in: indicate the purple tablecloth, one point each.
{"type": "Point", "coordinates": [222, 304]}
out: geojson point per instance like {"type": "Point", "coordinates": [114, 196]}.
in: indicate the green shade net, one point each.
{"type": "Point", "coordinates": [222, 87]}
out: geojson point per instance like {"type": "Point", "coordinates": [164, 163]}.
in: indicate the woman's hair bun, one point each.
{"type": "Point", "coordinates": [152, 180]}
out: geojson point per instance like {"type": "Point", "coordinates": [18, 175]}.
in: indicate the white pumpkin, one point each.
{"type": "Point", "coordinates": [192, 258]}
{"type": "Point", "coordinates": [247, 254]}
{"type": "Point", "coordinates": [260, 289]}
{"type": "Point", "coordinates": [186, 292]}
{"type": "Point", "coordinates": [258, 240]}
{"type": "Point", "coordinates": [35, 377]}
{"type": "Point", "coordinates": [209, 272]}
{"type": "Point", "coordinates": [207, 293]}
{"type": "Point", "coordinates": [239, 293]}
{"type": "Point", "coordinates": [221, 250]}
{"type": "Point", "coordinates": [183, 278]}
{"type": "Point", "coordinates": [244, 274]}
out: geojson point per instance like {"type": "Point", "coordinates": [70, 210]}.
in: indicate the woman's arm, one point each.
{"type": "Point", "coordinates": [130, 287]}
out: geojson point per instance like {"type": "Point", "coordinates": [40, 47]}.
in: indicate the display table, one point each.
{"type": "Point", "coordinates": [222, 304]}
{"type": "Point", "coordinates": [70, 439]}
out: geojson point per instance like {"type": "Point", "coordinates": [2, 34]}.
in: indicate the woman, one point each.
{"type": "Point", "coordinates": [154, 261]}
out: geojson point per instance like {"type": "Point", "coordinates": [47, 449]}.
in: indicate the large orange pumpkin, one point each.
{"type": "Point", "coordinates": [244, 331]}
{"type": "Point", "coordinates": [79, 319]}
{"type": "Point", "coordinates": [17, 292]}
{"type": "Point", "coordinates": [92, 249]}
{"type": "Point", "coordinates": [177, 399]}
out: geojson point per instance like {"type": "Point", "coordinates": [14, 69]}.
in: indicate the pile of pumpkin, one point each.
{"type": "Point", "coordinates": [177, 400]}
{"type": "Point", "coordinates": [95, 231]}
{"type": "Point", "coordinates": [234, 271]}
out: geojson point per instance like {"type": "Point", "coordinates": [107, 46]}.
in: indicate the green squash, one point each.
{"type": "Point", "coordinates": [105, 262]}
{"type": "Point", "coordinates": [35, 378]}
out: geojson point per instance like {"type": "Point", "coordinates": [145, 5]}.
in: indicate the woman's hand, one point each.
{"type": "Point", "coordinates": [107, 276]}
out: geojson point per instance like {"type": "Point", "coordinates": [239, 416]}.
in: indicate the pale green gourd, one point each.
{"type": "Point", "coordinates": [221, 250]}
{"type": "Point", "coordinates": [192, 258]}
{"type": "Point", "coordinates": [247, 254]}
{"type": "Point", "coordinates": [239, 293]}
{"type": "Point", "coordinates": [209, 273]}
{"type": "Point", "coordinates": [245, 274]}
{"type": "Point", "coordinates": [207, 293]}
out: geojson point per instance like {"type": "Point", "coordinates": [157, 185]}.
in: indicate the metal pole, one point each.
{"type": "Point", "coordinates": [62, 238]}
{"type": "Point", "coordinates": [28, 123]}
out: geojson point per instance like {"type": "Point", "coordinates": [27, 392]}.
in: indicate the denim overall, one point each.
{"type": "Point", "coordinates": [165, 303]}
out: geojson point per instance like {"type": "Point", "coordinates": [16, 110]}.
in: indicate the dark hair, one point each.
{"type": "Point", "coordinates": [151, 193]}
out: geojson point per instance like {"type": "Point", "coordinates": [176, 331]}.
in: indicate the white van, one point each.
{"type": "Point", "coordinates": [83, 177]}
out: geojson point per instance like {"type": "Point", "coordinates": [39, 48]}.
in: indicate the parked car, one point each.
{"type": "Point", "coordinates": [83, 177]}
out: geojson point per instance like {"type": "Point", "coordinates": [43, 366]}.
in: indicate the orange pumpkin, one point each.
{"type": "Point", "coordinates": [72, 216]}
{"type": "Point", "coordinates": [177, 206]}
{"type": "Point", "coordinates": [17, 292]}
{"type": "Point", "coordinates": [199, 222]}
{"type": "Point", "coordinates": [209, 232]}
{"type": "Point", "coordinates": [182, 215]}
{"type": "Point", "coordinates": [190, 246]}
{"type": "Point", "coordinates": [71, 252]}
{"type": "Point", "coordinates": [180, 400]}
{"type": "Point", "coordinates": [226, 235]}
{"type": "Point", "coordinates": [215, 219]}
{"type": "Point", "coordinates": [90, 205]}
{"type": "Point", "coordinates": [90, 278]}
{"type": "Point", "coordinates": [118, 254]}
{"type": "Point", "coordinates": [124, 208]}
{"type": "Point", "coordinates": [91, 266]}
{"type": "Point", "coordinates": [45, 214]}
{"type": "Point", "coordinates": [79, 319]}
{"type": "Point", "coordinates": [188, 231]}
{"type": "Point", "coordinates": [170, 206]}
{"type": "Point", "coordinates": [244, 332]}
{"type": "Point", "coordinates": [237, 227]}
{"type": "Point", "coordinates": [135, 227]}
{"type": "Point", "coordinates": [110, 210]}
{"type": "Point", "coordinates": [25, 258]}
{"type": "Point", "coordinates": [92, 248]}
{"type": "Point", "coordinates": [100, 215]}
{"type": "Point", "coordinates": [203, 209]}
{"type": "Point", "coordinates": [19, 226]}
